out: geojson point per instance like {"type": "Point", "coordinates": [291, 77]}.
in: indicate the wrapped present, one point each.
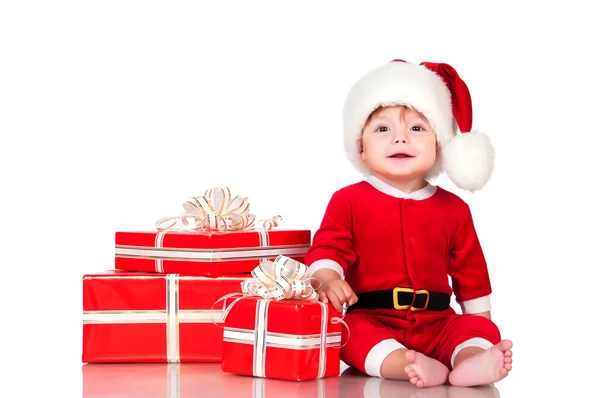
{"type": "Point", "coordinates": [191, 253]}
{"type": "Point", "coordinates": [142, 317]}
{"type": "Point", "coordinates": [278, 329]}
{"type": "Point", "coordinates": [216, 235]}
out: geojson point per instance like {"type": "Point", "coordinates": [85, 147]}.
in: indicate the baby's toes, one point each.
{"type": "Point", "coordinates": [411, 356]}
{"type": "Point", "coordinates": [414, 380]}
{"type": "Point", "coordinates": [507, 360]}
{"type": "Point", "coordinates": [508, 353]}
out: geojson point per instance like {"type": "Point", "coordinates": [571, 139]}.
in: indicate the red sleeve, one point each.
{"type": "Point", "coordinates": [467, 268]}
{"type": "Point", "coordinates": [333, 240]}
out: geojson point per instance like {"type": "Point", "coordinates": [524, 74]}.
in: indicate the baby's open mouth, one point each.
{"type": "Point", "coordinates": [401, 155]}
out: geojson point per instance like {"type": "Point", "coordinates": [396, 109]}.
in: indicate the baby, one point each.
{"type": "Point", "coordinates": [386, 245]}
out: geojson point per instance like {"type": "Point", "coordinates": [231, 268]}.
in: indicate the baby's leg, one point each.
{"type": "Point", "coordinates": [474, 365]}
{"type": "Point", "coordinates": [373, 349]}
{"type": "Point", "coordinates": [405, 364]}
{"type": "Point", "coordinates": [472, 348]}
{"type": "Point", "coordinates": [370, 342]}
{"type": "Point", "coordinates": [424, 371]}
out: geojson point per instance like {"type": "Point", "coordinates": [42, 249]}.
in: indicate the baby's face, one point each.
{"type": "Point", "coordinates": [398, 143]}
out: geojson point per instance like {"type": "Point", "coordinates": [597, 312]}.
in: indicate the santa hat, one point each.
{"type": "Point", "coordinates": [436, 91]}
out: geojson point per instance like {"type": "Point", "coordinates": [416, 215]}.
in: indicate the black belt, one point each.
{"type": "Point", "coordinates": [401, 298]}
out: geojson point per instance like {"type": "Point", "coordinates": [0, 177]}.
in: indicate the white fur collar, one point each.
{"type": "Point", "coordinates": [421, 194]}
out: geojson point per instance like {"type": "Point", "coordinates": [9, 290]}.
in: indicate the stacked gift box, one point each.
{"type": "Point", "coordinates": [165, 300]}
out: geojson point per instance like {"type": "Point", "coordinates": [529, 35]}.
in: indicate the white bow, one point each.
{"type": "Point", "coordinates": [217, 211]}
{"type": "Point", "coordinates": [284, 278]}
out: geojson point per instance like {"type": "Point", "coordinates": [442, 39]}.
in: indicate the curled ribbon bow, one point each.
{"type": "Point", "coordinates": [216, 210]}
{"type": "Point", "coordinates": [284, 278]}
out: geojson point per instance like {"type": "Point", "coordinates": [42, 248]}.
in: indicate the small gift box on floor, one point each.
{"type": "Point", "coordinates": [141, 317]}
{"type": "Point", "coordinates": [216, 235]}
{"type": "Point", "coordinates": [279, 329]}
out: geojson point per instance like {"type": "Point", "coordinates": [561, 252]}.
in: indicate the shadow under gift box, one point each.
{"type": "Point", "coordinates": [143, 317]}
{"type": "Point", "coordinates": [203, 254]}
{"type": "Point", "coordinates": [286, 339]}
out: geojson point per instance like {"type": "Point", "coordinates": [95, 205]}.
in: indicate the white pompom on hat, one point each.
{"type": "Point", "coordinates": [436, 91]}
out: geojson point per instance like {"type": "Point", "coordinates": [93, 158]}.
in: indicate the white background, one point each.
{"type": "Point", "coordinates": [113, 113]}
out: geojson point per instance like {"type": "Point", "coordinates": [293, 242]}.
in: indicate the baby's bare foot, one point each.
{"type": "Point", "coordinates": [424, 371]}
{"type": "Point", "coordinates": [487, 367]}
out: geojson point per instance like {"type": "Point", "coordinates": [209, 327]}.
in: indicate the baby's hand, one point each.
{"type": "Point", "coordinates": [337, 292]}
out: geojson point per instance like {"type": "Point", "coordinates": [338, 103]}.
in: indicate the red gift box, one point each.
{"type": "Point", "coordinates": [141, 317]}
{"type": "Point", "coordinates": [285, 339]}
{"type": "Point", "coordinates": [204, 254]}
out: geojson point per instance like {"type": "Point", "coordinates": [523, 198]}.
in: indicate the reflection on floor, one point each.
{"type": "Point", "coordinates": [208, 380]}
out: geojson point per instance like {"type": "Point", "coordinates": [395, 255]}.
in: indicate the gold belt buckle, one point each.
{"type": "Point", "coordinates": [426, 301]}
{"type": "Point", "coordinates": [397, 306]}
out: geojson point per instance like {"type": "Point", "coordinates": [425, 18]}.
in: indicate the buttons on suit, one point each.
{"type": "Point", "coordinates": [412, 240]}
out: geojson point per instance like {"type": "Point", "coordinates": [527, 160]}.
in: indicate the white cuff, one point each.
{"type": "Point", "coordinates": [474, 342]}
{"type": "Point", "coordinates": [476, 306]}
{"type": "Point", "coordinates": [378, 353]}
{"type": "Point", "coordinates": [320, 264]}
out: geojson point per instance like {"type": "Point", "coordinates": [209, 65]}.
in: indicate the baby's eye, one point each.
{"type": "Point", "coordinates": [382, 129]}
{"type": "Point", "coordinates": [417, 128]}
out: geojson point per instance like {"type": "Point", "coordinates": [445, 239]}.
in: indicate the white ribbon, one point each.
{"type": "Point", "coordinates": [216, 211]}
{"type": "Point", "coordinates": [284, 278]}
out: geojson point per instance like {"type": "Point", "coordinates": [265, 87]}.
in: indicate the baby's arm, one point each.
{"type": "Point", "coordinates": [332, 288]}
{"type": "Point", "coordinates": [468, 268]}
{"type": "Point", "coordinates": [331, 253]}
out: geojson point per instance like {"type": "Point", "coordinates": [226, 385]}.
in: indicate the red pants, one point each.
{"type": "Point", "coordinates": [374, 335]}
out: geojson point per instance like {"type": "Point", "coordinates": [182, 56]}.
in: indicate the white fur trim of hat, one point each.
{"type": "Point", "coordinates": [437, 91]}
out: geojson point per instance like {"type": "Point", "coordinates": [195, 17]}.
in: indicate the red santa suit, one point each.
{"type": "Point", "coordinates": [378, 238]}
